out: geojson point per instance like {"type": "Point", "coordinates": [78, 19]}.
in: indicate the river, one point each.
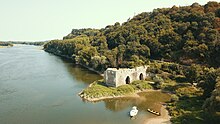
{"type": "Point", "coordinates": [39, 88]}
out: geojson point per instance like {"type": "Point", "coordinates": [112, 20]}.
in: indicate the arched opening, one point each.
{"type": "Point", "coordinates": [127, 80]}
{"type": "Point", "coordinates": [141, 77]}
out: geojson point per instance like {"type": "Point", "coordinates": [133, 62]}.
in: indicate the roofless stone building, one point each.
{"type": "Point", "coordinates": [115, 77]}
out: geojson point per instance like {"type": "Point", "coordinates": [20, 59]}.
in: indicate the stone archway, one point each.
{"type": "Point", "coordinates": [141, 76]}
{"type": "Point", "coordinates": [127, 80]}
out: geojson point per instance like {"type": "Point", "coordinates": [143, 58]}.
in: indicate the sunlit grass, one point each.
{"type": "Point", "coordinates": [99, 89]}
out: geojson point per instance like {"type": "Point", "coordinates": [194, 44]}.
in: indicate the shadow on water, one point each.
{"type": "Point", "coordinates": [80, 73]}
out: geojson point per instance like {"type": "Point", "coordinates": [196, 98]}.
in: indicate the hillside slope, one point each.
{"type": "Point", "coordinates": [188, 34]}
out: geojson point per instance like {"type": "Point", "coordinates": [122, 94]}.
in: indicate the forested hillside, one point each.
{"type": "Point", "coordinates": [188, 34]}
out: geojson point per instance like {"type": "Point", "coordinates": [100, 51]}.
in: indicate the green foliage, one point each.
{"type": "Point", "coordinates": [212, 104]}
{"type": "Point", "coordinates": [174, 98]}
{"type": "Point", "coordinates": [125, 89]}
{"type": "Point", "coordinates": [186, 105]}
{"type": "Point", "coordinates": [5, 43]}
{"type": "Point", "coordinates": [197, 102]}
{"type": "Point", "coordinates": [172, 68]}
{"type": "Point", "coordinates": [187, 35]}
{"type": "Point", "coordinates": [141, 85]}
{"type": "Point", "coordinates": [99, 89]}
{"type": "Point", "coordinates": [193, 73]}
{"type": "Point", "coordinates": [188, 91]}
{"type": "Point", "coordinates": [37, 43]}
{"type": "Point", "coordinates": [187, 111]}
{"type": "Point", "coordinates": [205, 77]}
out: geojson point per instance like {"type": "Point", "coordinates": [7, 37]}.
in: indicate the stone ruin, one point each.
{"type": "Point", "coordinates": [116, 77]}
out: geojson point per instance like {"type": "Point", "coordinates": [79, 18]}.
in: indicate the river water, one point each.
{"type": "Point", "coordinates": [39, 88]}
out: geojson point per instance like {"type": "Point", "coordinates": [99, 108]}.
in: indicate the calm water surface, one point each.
{"type": "Point", "coordinates": [39, 88]}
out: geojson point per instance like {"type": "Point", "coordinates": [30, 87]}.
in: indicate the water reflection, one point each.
{"type": "Point", "coordinates": [151, 99]}
{"type": "Point", "coordinates": [81, 73]}
{"type": "Point", "coordinates": [119, 104]}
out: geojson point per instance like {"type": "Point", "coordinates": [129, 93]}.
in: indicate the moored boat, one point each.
{"type": "Point", "coordinates": [134, 111]}
{"type": "Point", "coordinates": [153, 112]}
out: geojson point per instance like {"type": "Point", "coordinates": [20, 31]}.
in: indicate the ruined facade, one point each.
{"type": "Point", "coordinates": [115, 77]}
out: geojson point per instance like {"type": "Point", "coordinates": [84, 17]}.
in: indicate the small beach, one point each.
{"type": "Point", "coordinates": [163, 119]}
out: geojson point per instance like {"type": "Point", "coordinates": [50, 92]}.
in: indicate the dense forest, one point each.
{"type": "Point", "coordinates": [187, 35]}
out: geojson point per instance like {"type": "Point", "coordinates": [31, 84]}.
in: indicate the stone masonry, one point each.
{"type": "Point", "coordinates": [115, 77]}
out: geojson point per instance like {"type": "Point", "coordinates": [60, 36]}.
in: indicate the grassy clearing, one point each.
{"type": "Point", "coordinates": [98, 89]}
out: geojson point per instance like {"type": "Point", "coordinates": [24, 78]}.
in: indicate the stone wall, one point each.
{"type": "Point", "coordinates": [110, 77]}
{"type": "Point", "coordinates": [116, 77]}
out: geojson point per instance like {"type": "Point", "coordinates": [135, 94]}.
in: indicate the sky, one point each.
{"type": "Point", "coordinates": [40, 20]}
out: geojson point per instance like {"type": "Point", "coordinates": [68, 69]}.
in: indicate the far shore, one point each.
{"type": "Point", "coordinates": [5, 46]}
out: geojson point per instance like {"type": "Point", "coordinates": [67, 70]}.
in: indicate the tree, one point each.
{"type": "Point", "coordinates": [208, 81]}
{"type": "Point", "coordinates": [212, 104]}
{"type": "Point", "coordinates": [193, 73]}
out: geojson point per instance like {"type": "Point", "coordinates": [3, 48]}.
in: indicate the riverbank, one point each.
{"type": "Point", "coordinates": [132, 95]}
{"type": "Point", "coordinates": [70, 58]}
{"type": "Point", "coordinates": [163, 119]}
{"type": "Point", "coordinates": [5, 46]}
{"type": "Point", "coordinates": [99, 91]}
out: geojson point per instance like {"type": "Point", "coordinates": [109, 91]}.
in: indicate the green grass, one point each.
{"type": "Point", "coordinates": [99, 89]}
{"type": "Point", "coordinates": [141, 85]}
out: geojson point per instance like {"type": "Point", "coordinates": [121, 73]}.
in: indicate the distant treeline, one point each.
{"type": "Point", "coordinates": [5, 43]}
{"type": "Point", "coordinates": [37, 43]}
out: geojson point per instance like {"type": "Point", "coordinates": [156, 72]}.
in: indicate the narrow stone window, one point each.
{"type": "Point", "coordinates": [141, 77]}
{"type": "Point", "coordinates": [127, 80]}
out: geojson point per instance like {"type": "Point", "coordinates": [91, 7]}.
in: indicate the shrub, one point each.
{"type": "Point", "coordinates": [174, 98]}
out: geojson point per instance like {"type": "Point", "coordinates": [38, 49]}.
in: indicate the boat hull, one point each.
{"type": "Point", "coordinates": [153, 112]}
{"type": "Point", "coordinates": [133, 113]}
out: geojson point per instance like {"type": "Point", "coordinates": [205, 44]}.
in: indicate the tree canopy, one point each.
{"type": "Point", "coordinates": [187, 35]}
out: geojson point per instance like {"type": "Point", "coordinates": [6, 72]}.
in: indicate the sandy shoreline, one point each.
{"type": "Point", "coordinates": [5, 46]}
{"type": "Point", "coordinates": [163, 119]}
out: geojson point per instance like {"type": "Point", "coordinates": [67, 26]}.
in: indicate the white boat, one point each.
{"type": "Point", "coordinates": [134, 111]}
